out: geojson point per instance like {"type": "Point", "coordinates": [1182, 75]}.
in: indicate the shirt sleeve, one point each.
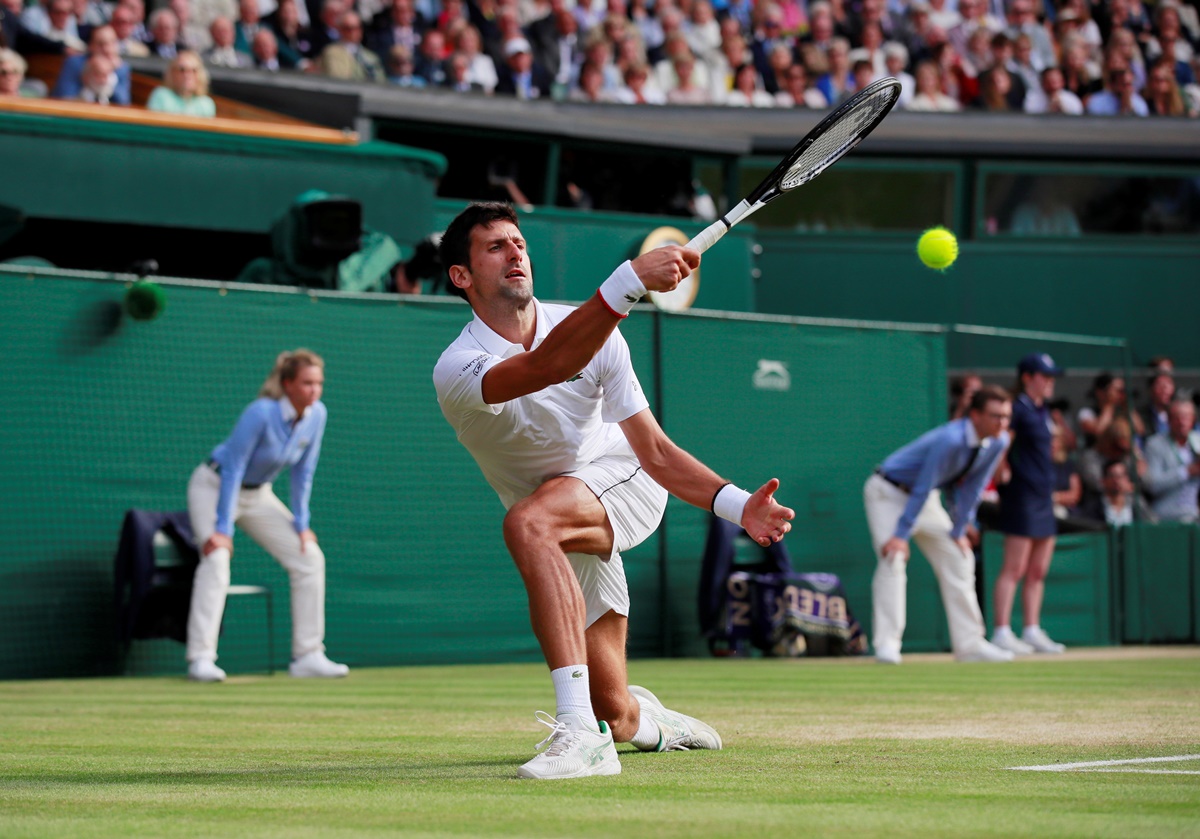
{"type": "Point", "coordinates": [623, 394]}
{"type": "Point", "coordinates": [926, 481]}
{"type": "Point", "coordinates": [235, 456]}
{"type": "Point", "coordinates": [302, 474]}
{"type": "Point", "coordinates": [458, 378]}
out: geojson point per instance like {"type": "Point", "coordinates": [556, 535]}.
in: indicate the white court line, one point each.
{"type": "Point", "coordinates": [1095, 764]}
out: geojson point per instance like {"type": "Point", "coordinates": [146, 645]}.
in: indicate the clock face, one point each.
{"type": "Point", "coordinates": [681, 298]}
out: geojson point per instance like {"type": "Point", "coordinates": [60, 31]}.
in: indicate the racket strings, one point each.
{"type": "Point", "coordinates": [838, 138]}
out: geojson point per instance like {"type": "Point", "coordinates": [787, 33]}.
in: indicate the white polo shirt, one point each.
{"type": "Point", "coordinates": [522, 443]}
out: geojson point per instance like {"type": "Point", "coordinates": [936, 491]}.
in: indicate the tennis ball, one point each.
{"type": "Point", "coordinates": [937, 248]}
{"type": "Point", "coordinates": [145, 300]}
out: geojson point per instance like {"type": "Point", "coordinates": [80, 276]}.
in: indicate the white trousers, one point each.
{"type": "Point", "coordinates": [955, 570]}
{"type": "Point", "coordinates": [269, 522]}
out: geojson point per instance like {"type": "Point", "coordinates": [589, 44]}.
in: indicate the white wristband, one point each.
{"type": "Point", "coordinates": [622, 290]}
{"type": "Point", "coordinates": [730, 502]}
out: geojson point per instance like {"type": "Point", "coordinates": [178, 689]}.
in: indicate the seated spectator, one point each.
{"type": "Point", "coordinates": [1068, 488]}
{"type": "Point", "coordinates": [481, 70]}
{"type": "Point", "coordinates": [895, 60]}
{"type": "Point", "coordinates": [125, 23]}
{"type": "Point", "coordinates": [164, 34]}
{"type": "Point", "coordinates": [325, 31]}
{"type": "Point", "coordinates": [975, 15]}
{"type": "Point", "coordinates": [747, 90]}
{"type": "Point", "coordinates": [870, 50]}
{"type": "Point", "coordinates": [943, 16]}
{"type": "Point", "coordinates": [266, 51]}
{"type": "Point", "coordinates": [347, 58]}
{"type": "Point", "coordinates": [1023, 19]}
{"type": "Point", "coordinates": [1116, 505]}
{"type": "Point", "coordinates": [962, 389]}
{"type": "Point", "coordinates": [1118, 98]}
{"type": "Point", "coordinates": [1154, 412]}
{"type": "Point", "coordinates": [928, 95]}
{"type": "Point", "coordinates": [1162, 93]}
{"type": "Point", "coordinates": [12, 75]}
{"type": "Point", "coordinates": [97, 80]}
{"type": "Point", "coordinates": [520, 76]}
{"type": "Point", "coordinates": [401, 24]}
{"type": "Point", "coordinates": [193, 34]}
{"type": "Point", "coordinates": [701, 29]}
{"type": "Point", "coordinates": [104, 42]}
{"type": "Point", "coordinates": [979, 55]}
{"type": "Point", "coordinates": [674, 48]}
{"type": "Point", "coordinates": [223, 53]}
{"type": "Point", "coordinates": [55, 21]}
{"type": "Point", "coordinates": [994, 87]}
{"type": "Point", "coordinates": [1125, 45]}
{"type": "Point", "coordinates": [797, 92]}
{"type": "Point", "coordinates": [1109, 400]}
{"type": "Point", "coordinates": [688, 90]}
{"type": "Point", "coordinates": [185, 90]}
{"type": "Point", "coordinates": [138, 9]}
{"type": "Point", "coordinates": [1081, 75]}
{"type": "Point", "coordinates": [458, 75]}
{"type": "Point", "coordinates": [837, 81]}
{"type": "Point", "coordinates": [292, 35]}
{"type": "Point", "coordinates": [779, 61]}
{"type": "Point", "coordinates": [249, 21]}
{"type": "Point", "coordinates": [431, 57]}
{"type": "Point", "coordinates": [402, 69]}
{"type": "Point", "coordinates": [1052, 97]}
{"type": "Point", "coordinates": [1170, 43]}
{"type": "Point", "coordinates": [637, 89]}
{"type": "Point", "coordinates": [1173, 465]}
{"type": "Point", "coordinates": [1116, 443]}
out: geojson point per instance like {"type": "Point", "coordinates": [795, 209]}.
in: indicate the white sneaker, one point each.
{"type": "Point", "coordinates": [1038, 641]}
{"type": "Point", "coordinates": [676, 731]}
{"type": "Point", "coordinates": [315, 665]}
{"type": "Point", "coordinates": [1009, 641]}
{"type": "Point", "coordinates": [887, 655]}
{"type": "Point", "coordinates": [572, 750]}
{"type": "Point", "coordinates": [985, 651]}
{"type": "Point", "coordinates": [203, 670]}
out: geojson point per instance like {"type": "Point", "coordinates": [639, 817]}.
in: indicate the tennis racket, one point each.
{"type": "Point", "coordinates": [825, 145]}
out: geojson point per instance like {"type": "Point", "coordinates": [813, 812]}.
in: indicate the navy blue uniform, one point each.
{"type": "Point", "coordinates": [1027, 500]}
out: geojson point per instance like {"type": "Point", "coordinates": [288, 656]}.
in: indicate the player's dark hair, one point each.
{"type": "Point", "coordinates": [989, 393]}
{"type": "Point", "coordinates": [1109, 464]}
{"type": "Point", "coordinates": [455, 247]}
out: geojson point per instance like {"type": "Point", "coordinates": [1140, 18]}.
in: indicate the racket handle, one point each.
{"type": "Point", "coordinates": [708, 237]}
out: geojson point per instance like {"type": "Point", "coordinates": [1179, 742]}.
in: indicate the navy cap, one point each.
{"type": "Point", "coordinates": [1039, 362]}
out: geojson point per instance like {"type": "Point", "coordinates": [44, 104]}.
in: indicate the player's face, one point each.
{"type": "Point", "coordinates": [306, 388]}
{"type": "Point", "coordinates": [500, 263]}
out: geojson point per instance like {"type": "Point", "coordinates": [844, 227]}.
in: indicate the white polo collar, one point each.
{"type": "Point", "coordinates": [288, 411]}
{"type": "Point", "coordinates": [500, 346]}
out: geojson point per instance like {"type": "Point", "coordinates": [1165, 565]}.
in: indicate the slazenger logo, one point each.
{"type": "Point", "coordinates": [772, 375]}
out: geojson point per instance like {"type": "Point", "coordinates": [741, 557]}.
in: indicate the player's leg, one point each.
{"type": "Point", "coordinates": [1016, 562]}
{"type": "Point", "coordinates": [606, 642]}
{"type": "Point", "coordinates": [211, 582]}
{"type": "Point", "coordinates": [271, 524]}
{"type": "Point", "coordinates": [884, 504]}
{"type": "Point", "coordinates": [1032, 594]}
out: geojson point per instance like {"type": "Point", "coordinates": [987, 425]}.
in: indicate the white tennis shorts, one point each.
{"type": "Point", "coordinates": [635, 505]}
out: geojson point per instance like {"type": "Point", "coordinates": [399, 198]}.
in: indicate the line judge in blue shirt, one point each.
{"type": "Point", "coordinates": [903, 501]}
{"type": "Point", "coordinates": [281, 429]}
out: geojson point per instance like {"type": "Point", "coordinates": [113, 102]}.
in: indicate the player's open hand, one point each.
{"type": "Point", "coordinates": [664, 268]}
{"type": "Point", "coordinates": [764, 518]}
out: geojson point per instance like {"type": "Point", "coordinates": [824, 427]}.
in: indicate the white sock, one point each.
{"type": "Point", "coordinates": [1002, 631]}
{"type": "Point", "coordinates": [1032, 627]}
{"type": "Point", "coordinates": [648, 736]}
{"type": "Point", "coordinates": [573, 693]}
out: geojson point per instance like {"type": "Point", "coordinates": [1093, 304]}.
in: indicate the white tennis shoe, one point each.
{"type": "Point", "coordinates": [572, 750]}
{"type": "Point", "coordinates": [677, 732]}
{"type": "Point", "coordinates": [1009, 641]}
{"type": "Point", "coordinates": [985, 651]}
{"type": "Point", "coordinates": [316, 665]}
{"type": "Point", "coordinates": [203, 670]}
{"type": "Point", "coordinates": [1038, 641]}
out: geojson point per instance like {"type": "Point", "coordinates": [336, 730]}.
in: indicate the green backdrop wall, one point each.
{"type": "Point", "coordinates": [103, 414]}
{"type": "Point", "coordinates": [1141, 290]}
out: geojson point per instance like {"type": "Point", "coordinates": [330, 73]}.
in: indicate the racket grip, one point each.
{"type": "Point", "coordinates": [708, 237]}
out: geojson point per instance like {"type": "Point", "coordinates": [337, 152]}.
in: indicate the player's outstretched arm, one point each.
{"type": "Point", "coordinates": [685, 477]}
{"type": "Point", "coordinates": [576, 340]}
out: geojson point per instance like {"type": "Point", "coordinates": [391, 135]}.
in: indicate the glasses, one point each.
{"type": "Point", "coordinates": [998, 416]}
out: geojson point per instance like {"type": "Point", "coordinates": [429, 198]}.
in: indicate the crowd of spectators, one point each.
{"type": "Point", "coordinates": [1114, 57]}
{"type": "Point", "coordinates": [1118, 463]}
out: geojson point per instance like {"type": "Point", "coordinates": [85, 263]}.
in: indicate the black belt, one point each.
{"type": "Point", "coordinates": [897, 484]}
{"type": "Point", "coordinates": [216, 467]}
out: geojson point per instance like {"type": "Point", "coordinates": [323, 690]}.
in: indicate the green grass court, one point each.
{"type": "Point", "coordinates": [813, 748]}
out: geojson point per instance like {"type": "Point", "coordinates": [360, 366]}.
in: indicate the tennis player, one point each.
{"type": "Point", "coordinates": [546, 400]}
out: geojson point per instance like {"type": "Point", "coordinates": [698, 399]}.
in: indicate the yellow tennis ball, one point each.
{"type": "Point", "coordinates": [938, 248]}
